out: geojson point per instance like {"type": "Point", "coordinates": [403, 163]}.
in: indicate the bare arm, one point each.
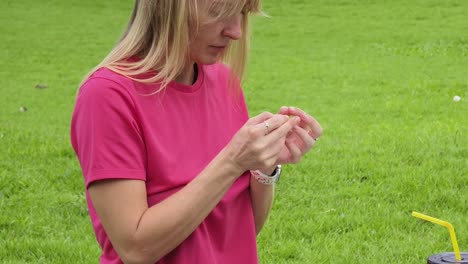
{"type": "Point", "coordinates": [262, 201]}
{"type": "Point", "coordinates": [142, 234]}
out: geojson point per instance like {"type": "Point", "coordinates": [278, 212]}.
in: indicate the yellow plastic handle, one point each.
{"type": "Point", "coordinates": [447, 225]}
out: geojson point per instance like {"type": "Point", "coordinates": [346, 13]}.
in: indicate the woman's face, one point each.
{"type": "Point", "coordinates": [214, 37]}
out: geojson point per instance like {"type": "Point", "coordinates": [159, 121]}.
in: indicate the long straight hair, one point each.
{"type": "Point", "coordinates": [159, 33]}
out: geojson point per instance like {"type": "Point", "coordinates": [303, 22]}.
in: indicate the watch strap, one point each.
{"type": "Point", "coordinates": [267, 179]}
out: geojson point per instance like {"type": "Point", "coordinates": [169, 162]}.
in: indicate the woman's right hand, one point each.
{"type": "Point", "coordinates": [257, 145]}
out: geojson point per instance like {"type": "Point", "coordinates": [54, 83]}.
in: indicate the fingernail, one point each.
{"type": "Point", "coordinates": [297, 119]}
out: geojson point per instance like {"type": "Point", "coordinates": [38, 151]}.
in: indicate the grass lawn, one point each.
{"type": "Point", "coordinates": [380, 76]}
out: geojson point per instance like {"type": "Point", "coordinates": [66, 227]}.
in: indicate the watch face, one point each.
{"type": "Point", "coordinates": [278, 170]}
{"type": "Point", "coordinates": [273, 174]}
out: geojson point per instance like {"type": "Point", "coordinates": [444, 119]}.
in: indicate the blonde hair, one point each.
{"type": "Point", "coordinates": [159, 33]}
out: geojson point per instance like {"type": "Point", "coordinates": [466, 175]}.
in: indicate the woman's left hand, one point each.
{"type": "Point", "coordinates": [301, 138]}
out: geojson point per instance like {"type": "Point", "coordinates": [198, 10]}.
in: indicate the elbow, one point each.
{"type": "Point", "coordinates": [138, 249]}
{"type": "Point", "coordinates": [134, 257]}
{"type": "Point", "coordinates": [138, 254]}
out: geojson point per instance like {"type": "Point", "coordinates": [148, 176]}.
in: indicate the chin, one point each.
{"type": "Point", "coordinates": [208, 60]}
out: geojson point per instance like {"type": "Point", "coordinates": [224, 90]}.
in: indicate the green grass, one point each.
{"type": "Point", "coordinates": [378, 75]}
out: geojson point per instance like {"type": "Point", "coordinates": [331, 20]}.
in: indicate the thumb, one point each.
{"type": "Point", "coordinates": [259, 118]}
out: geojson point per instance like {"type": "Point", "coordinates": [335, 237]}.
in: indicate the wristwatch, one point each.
{"type": "Point", "coordinates": [267, 179]}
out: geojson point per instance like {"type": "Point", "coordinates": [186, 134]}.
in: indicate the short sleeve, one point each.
{"type": "Point", "coordinates": [105, 132]}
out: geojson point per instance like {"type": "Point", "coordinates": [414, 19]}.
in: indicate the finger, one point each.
{"type": "Point", "coordinates": [283, 130]}
{"type": "Point", "coordinates": [284, 110]}
{"type": "Point", "coordinates": [308, 122]}
{"type": "Point", "coordinates": [316, 130]}
{"type": "Point", "coordinates": [259, 118]}
{"type": "Point", "coordinates": [308, 140]}
{"type": "Point", "coordinates": [271, 124]}
{"type": "Point", "coordinates": [294, 111]}
{"type": "Point", "coordinates": [296, 153]}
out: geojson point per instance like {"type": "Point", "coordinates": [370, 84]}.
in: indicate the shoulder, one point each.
{"type": "Point", "coordinates": [104, 82]}
{"type": "Point", "coordinates": [105, 78]}
{"type": "Point", "coordinates": [105, 88]}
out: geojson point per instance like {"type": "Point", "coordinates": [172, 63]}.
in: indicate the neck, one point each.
{"type": "Point", "coordinates": [188, 75]}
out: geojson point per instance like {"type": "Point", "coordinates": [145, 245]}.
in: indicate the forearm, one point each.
{"type": "Point", "coordinates": [262, 200]}
{"type": "Point", "coordinates": [167, 224]}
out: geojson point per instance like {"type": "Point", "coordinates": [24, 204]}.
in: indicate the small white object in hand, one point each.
{"type": "Point", "coordinates": [456, 98]}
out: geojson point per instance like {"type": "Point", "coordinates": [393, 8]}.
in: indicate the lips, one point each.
{"type": "Point", "coordinates": [218, 47]}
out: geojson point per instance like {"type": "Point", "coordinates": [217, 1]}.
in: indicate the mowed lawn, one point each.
{"type": "Point", "coordinates": [380, 76]}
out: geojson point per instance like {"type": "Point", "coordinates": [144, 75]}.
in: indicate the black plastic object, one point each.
{"type": "Point", "coordinates": [448, 258]}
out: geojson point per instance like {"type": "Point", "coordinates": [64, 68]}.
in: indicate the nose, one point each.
{"type": "Point", "coordinates": [233, 28]}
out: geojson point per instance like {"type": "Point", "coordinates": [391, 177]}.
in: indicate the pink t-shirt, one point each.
{"type": "Point", "coordinates": [118, 131]}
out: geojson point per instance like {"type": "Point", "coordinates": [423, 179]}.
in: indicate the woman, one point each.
{"type": "Point", "coordinates": [175, 171]}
